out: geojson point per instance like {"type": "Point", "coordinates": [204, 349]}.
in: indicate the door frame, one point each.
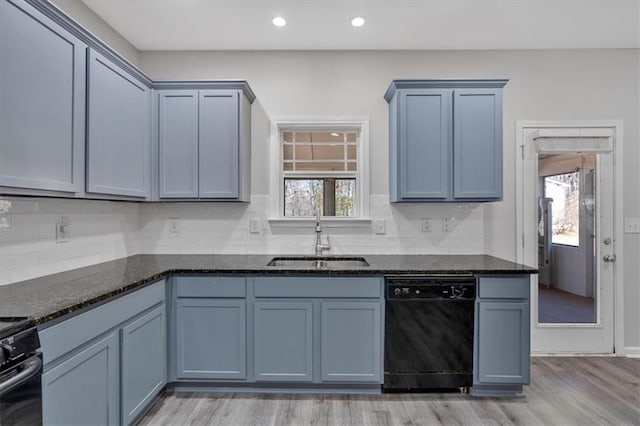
{"type": "Point", "coordinates": [524, 232]}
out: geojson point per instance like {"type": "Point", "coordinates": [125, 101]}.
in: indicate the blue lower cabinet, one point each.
{"type": "Point", "coordinates": [84, 390]}
{"type": "Point", "coordinates": [283, 345]}
{"type": "Point", "coordinates": [502, 351]}
{"type": "Point", "coordinates": [211, 339]}
{"type": "Point", "coordinates": [351, 342]}
{"type": "Point", "coordinates": [143, 362]}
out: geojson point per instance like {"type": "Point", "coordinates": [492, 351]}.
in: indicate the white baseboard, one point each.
{"type": "Point", "coordinates": [632, 351]}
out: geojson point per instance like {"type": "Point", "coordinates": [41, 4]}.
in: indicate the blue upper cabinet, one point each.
{"type": "Point", "coordinates": [477, 144]}
{"type": "Point", "coordinates": [42, 102]}
{"type": "Point", "coordinates": [204, 138]}
{"type": "Point", "coordinates": [219, 150]}
{"type": "Point", "coordinates": [445, 140]}
{"type": "Point", "coordinates": [119, 130]}
{"type": "Point", "coordinates": [425, 126]}
{"type": "Point", "coordinates": [178, 144]}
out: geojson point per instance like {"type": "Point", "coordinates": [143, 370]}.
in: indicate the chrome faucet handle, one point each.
{"type": "Point", "coordinates": [324, 247]}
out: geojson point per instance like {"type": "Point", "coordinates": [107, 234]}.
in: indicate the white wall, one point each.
{"type": "Point", "coordinates": [98, 231]}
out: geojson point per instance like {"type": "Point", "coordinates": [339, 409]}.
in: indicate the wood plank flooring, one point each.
{"type": "Point", "coordinates": [564, 391]}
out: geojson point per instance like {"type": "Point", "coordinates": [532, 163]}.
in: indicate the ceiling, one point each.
{"type": "Point", "coordinates": [390, 24]}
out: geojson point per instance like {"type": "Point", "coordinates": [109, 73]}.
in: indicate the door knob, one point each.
{"type": "Point", "coordinates": [609, 258]}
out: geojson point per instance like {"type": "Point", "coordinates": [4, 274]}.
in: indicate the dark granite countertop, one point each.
{"type": "Point", "coordinates": [53, 296]}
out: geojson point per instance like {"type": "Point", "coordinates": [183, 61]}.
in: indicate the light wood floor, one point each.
{"type": "Point", "coordinates": [563, 391]}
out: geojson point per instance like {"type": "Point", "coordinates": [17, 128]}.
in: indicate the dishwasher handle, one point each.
{"type": "Point", "coordinates": [32, 367]}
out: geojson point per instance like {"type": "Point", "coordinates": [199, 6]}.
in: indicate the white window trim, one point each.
{"type": "Point", "coordinates": [276, 196]}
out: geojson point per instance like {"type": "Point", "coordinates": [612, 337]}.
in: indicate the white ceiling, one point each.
{"type": "Point", "coordinates": [391, 24]}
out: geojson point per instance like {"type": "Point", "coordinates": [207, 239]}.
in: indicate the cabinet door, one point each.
{"type": "Point", "coordinates": [425, 147]}
{"type": "Point", "coordinates": [178, 144]}
{"type": "Point", "coordinates": [219, 144]}
{"type": "Point", "coordinates": [477, 144]}
{"type": "Point", "coordinates": [84, 390]}
{"type": "Point", "coordinates": [119, 146]}
{"type": "Point", "coordinates": [283, 341]}
{"type": "Point", "coordinates": [502, 343]}
{"type": "Point", "coordinates": [42, 98]}
{"type": "Point", "coordinates": [351, 342]}
{"type": "Point", "coordinates": [143, 362]}
{"type": "Point", "coordinates": [211, 339]}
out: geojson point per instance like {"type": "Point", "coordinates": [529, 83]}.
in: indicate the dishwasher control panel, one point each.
{"type": "Point", "coordinates": [430, 289]}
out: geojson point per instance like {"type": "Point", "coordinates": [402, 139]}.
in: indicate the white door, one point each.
{"type": "Point", "coordinates": [571, 169]}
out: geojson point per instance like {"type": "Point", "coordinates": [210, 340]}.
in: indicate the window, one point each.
{"type": "Point", "coordinates": [564, 189]}
{"type": "Point", "coordinates": [320, 172]}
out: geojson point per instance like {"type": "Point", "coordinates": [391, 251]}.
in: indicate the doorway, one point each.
{"type": "Point", "coordinates": [566, 216]}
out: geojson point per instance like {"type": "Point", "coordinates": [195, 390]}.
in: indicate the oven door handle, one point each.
{"type": "Point", "coordinates": [31, 368]}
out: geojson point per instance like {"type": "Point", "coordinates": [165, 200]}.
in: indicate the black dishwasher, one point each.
{"type": "Point", "coordinates": [429, 333]}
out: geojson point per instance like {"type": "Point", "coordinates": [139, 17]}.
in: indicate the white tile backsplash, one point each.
{"type": "Point", "coordinates": [101, 230]}
{"type": "Point", "coordinates": [98, 231]}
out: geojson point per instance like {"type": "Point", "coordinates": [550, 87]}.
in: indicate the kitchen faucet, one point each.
{"type": "Point", "coordinates": [319, 246]}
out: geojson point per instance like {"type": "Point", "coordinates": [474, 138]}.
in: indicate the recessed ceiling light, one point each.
{"type": "Point", "coordinates": [279, 21]}
{"type": "Point", "coordinates": [358, 21]}
{"type": "Point", "coordinates": [334, 134]}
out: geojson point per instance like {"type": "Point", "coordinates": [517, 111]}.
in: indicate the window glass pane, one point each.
{"type": "Point", "coordinates": [303, 137]}
{"type": "Point", "coordinates": [352, 167]}
{"type": "Point", "coordinates": [302, 197]}
{"type": "Point", "coordinates": [328, 152]}
{"type": "Point", "coordinates": [351, 152]}
{"type": "Point", "coordinates": [564, 189]}
{"type": "Point", "coordinates": [303, 152]}
{"type": "Point", "coordinates": [322, 151]}
{"type": "Point", "coordinates": [345, 197]}
{"type": "Point", "coordinates": [287, 151]}
{"type": "Point", "coordinates": [287, 166]}
{"type": "Point", "coordinates": [327, 137]}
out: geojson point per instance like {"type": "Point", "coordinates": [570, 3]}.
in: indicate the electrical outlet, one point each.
{"type": "Point", "coordinates": [173, 226]}
{"type": "Point", "coordinates": [632, 226]}
{"type": "Point", "coordinates": [62, 230]}
{"type": "Point", "coordinates": [254, 225]}
{"type": "Point", "coordinates": [379, 226]}
{"type": "Point", "coordinates": [447, 224]}
{"type": "Point", "coordinates": [426, 224]}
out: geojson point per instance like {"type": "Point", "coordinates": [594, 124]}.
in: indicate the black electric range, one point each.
{"type": "Point", "coordinates": [20, 372]}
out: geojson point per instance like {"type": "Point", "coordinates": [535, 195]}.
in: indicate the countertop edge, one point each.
{"type": "Point", "coordinates": [127, 286]}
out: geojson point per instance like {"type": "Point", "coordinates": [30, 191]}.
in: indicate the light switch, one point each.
{"type": "Point", "coordinates": [379, 226]}
{"type": "Point", "coordinates": [173, 226]}
{"type": "Point", "coordinates": [254, 225]}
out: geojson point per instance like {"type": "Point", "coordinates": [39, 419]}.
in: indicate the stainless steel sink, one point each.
{"type": "Point", "coordinates": [318, 262]}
